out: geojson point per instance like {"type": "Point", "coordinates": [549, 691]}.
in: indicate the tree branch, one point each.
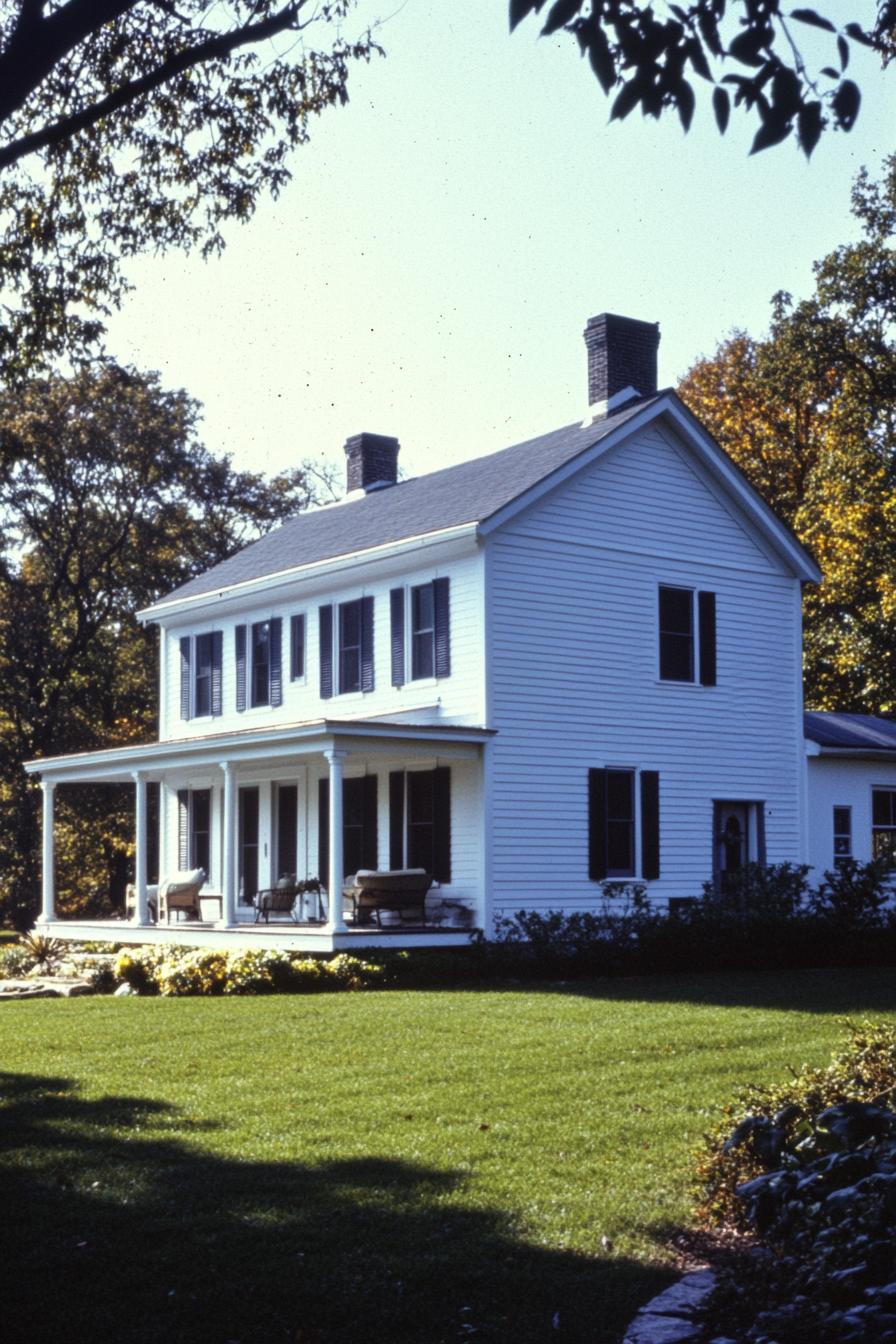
{"type": "Point", "coordinates": [212, 49]}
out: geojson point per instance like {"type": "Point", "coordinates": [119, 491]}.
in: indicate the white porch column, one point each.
{"type": "Point", "coordinates": [141, 908]}
{"type": "Point", "coordinates": [48, 884]}
{"type": "Point", "coordinates": [228, 847]}
{"type": "Point", "coordinates": [336, 875]}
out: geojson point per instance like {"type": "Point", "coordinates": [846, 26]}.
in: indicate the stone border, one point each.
{"type": "Point", "coordinates": [669, 1317]}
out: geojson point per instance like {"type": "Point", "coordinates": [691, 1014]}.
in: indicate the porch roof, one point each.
{"type": "Point", "coordinates": [112, 765]}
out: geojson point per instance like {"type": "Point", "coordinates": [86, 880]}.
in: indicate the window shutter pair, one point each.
{"type": "Point", "coordinates": [442, 622]}
{"type": "Point", "coordinates": [325, 620]}
{"type": "Point", "coordinates": [242, 663]}
{"type": "Point", "coordinates": [441, 839]}
{"type": "Point", "coordinates": [186, 669]}
{"type": "Point", "coordinates": [597, 825]}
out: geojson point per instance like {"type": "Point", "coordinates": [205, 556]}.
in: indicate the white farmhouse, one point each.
{"type": "Point", "coordinates": [572, 661]}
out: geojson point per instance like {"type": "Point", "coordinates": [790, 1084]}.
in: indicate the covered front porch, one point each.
{"type": "Point", "coordinates": [305, 803]}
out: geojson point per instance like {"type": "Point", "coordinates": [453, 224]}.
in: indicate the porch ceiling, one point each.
{"type": "Point", "coordinates": [270, 746]}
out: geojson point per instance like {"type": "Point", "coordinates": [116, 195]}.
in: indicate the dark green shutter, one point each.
{"type": "Point", "coordinates": [441, 822]}
{"type": "Point", "coordinates": [326, 652]}
{"type": "Point", "coordinates": [706, 616]}
{"type": "Point", "coordinates": [276, 661]}
{"type": "Point", "coordinates": [396, 819]}
{"type": "Point", "coordinates": [442, 614]}
{"type": "Point", "coordinates": [366, 643]}
{"type": "Point", "coordinates": [185, 687]}
{"type": "Point", "coordinates": [240, 651]}
{"type": "Point", "coordinates": [650, 825]}
{"type": "Point", "coordinates": [597, 825]}
{"type": "Point", "coordinates": [217, 672]}
{"type": "Point", "coordinates": [396, 610]}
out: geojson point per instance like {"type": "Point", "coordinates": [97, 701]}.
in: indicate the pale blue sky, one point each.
{"type": "Point", "coordinates": [429, 270]}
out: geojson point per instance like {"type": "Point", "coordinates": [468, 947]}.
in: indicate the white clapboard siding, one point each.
{"type": "Point", "coordinates": [459, 696]}
{"type": "Point", "coordinates": [835, 782]}
{"type": "Point", "coordinates": [572, 593]}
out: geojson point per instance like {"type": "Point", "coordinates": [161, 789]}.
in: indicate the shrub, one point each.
{"type": "Point", "coordinates": [14, 962]}
{"type": "Point", "coordinates": [761, 891]}
{"type": "Point", "coordinates": [769, 1125]}
{"type": "Point", "coordinates": [828, 1213]}
{"type": "Point", "coordinates": [854, 895]}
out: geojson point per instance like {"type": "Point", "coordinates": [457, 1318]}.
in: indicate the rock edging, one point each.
{"type": "Point", "coordinates": [669, 1318]}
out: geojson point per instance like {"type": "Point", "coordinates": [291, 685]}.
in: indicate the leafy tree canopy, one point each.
{"type": "Point", "coordinates": [752, 53]}
{"type": "Point", "coordinates": [140, 125]}
{"type": "Point", "coordinates": [809, 414]}
{"type": "Point", "coordinates": [107, 501]}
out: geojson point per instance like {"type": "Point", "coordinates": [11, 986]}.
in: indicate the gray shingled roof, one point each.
{"type": "Point", "coordinates": [856, 731]}
{"type": "Point", "coordinates": [467, 493]}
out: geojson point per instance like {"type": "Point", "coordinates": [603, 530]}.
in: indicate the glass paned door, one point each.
{"type": "Point", "coordinates": [248, 843]}
{"type": "Point", "coordinates": [287, 830]}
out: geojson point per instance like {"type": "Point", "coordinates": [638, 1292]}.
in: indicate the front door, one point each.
{"type": "Point", "coordinates": [248, 843]}
{"type": "Point", "coordinates": [732, 841]}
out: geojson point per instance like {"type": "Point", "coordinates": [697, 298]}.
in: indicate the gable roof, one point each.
{"type": "Point", "coordinates": [856, 732]}
{"type": "Point", "coordinates": [469, 493]}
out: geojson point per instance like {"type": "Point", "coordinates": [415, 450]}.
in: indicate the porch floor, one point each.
{"type": "Point", "coordinates": [289, 937]}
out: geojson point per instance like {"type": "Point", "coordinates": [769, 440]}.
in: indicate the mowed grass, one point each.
{"type": "Point", "coordinates": [491, 1166]}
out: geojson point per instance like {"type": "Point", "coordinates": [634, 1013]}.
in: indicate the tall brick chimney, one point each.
{"type": "Point", "coordinates": [621, 358]}
{"type": "Point", "coordinates": [371, 462]}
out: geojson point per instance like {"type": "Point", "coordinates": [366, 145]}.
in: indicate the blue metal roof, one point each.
{"type": "Point", "coordinates": [856, 732]}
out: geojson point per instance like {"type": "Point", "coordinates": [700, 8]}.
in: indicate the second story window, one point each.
{"type": "Point", "coordinates": [259, 676]}
{"type": "Point", "coordinates": [687, 635]}
{"type": "Point", "coordinates": [426, 610]}
{"type": "Point", "coordinates": [200, 674]}
{"type": "Point", "coordinates": [423, 632]}
{"type": "Point", "coordinates": [842, 835]}
{"type": "Point", "coordinates": [349, 647]}
{"type": "Point", "coordinates": [203, 687]}
{"type": "Point", "coordinates": [346, 647]}
{"type": "Point", "coordinates": [261, 663]}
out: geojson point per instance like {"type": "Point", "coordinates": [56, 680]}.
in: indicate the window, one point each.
{"type": "Point", "coordinates": [687, 631]}
{"type": "Point", "coordinates": [349, 647]}
{"type": "Point", "coordinates": [194, 809]}
{"type": "Point", "coordinates": [428, 617]}
{"type": "Point", "coordinates": [261, 663]}
{"type": "Point", "coordinates": [420, 821]}
{"type": "Point", "coordinates": [842, 835]}
{"type": "Point", "coordinates": [618, 817]}
{"type": "Point", "coordinates": [883, 824]}
{"type": "Point", "coordinates": [248, 809]}
{"type": "Point", "coordinates": [203, 684]}
{"type": "Point", "coordinates": [200, 674]}
{"type": "Point", "coordinates": [423, 632]}
{"type": "Point", "coordinates": [259, 677]}
{"type": "Point", "coordinates": [359, 825]}
{"type": "Point", "coordinates": [620, 823]}
{"type": "Point", "coordinates": [353, 660]}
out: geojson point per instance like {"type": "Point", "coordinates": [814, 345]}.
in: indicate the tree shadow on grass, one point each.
{"type": "Point", "coordinates": [869, 991]}
{"type": "Point", "coordinates": [115, 1229]}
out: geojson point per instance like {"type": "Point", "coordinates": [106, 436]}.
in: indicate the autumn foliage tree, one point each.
{"type": "Point", "coordinates": [107, 500]}
{"type": "Point", "coordinates": [809, 414]}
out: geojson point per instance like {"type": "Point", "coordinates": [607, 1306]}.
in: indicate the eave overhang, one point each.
{"type": "Point", "coordinates": [255, 745]}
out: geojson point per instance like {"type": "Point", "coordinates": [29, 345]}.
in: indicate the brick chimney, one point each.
{"type": "Point", "coordinates": [621, 360]}
{"type": "Point", "coordinates": [371, 462]}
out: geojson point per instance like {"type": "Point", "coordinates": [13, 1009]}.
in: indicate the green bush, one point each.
{"type": "Point", "coordinates": [178, 971]}
{"type": "Point", "coordinates": [766, 1125]}
{"type": "Point", "coordinates": [824, 1206]}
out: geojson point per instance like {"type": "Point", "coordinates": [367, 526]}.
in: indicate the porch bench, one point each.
{"type": "Point", "coordinates": [399, 889]}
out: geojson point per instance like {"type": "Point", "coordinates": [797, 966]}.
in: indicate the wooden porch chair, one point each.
{"type": "Point", "coordinates": [180, 891]}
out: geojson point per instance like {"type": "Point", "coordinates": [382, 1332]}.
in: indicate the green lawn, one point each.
{"type": "Point", "coordinates": [402, 1167]}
